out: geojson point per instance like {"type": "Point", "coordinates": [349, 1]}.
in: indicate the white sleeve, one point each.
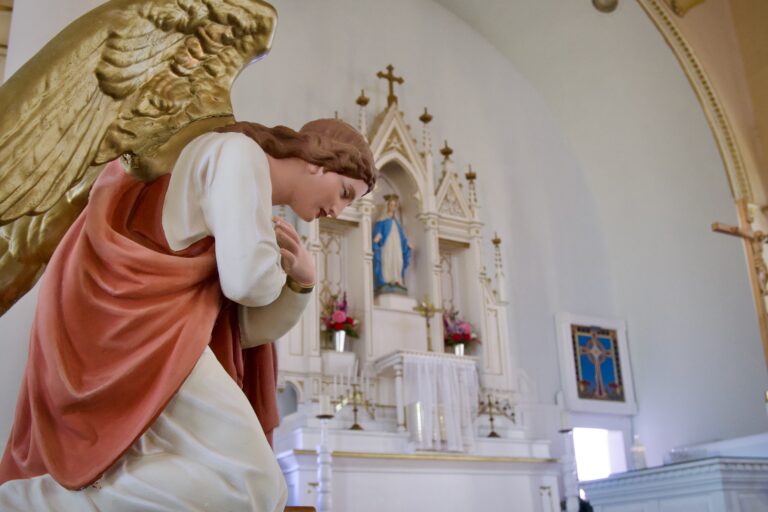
{"type": "Point", "coordinates": [220, 186]}
{"type": "Point", "coordinates": [268, 323]}
{"type": "Point", "coordinates": [236, 203]}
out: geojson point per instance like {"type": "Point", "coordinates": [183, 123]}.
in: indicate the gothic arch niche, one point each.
{"type": "Point", "coordinates": [395, 179]}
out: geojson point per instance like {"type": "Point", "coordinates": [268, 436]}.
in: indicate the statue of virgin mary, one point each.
{"type": "Point", "coordinates": [391, 251]}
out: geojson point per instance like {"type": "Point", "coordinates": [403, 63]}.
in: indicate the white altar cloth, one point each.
{"type": "Point", "coordinates": [438, 393]}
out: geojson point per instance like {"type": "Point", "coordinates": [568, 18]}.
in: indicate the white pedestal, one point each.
{"type": "Point", "coordinates": [709, 485]}
{"type": "Point", "coordinates": [337, 363]}
{"type": "Point", "coordinates": [398, 329]}
{"type": "Point", "coordinates": [395, 302]}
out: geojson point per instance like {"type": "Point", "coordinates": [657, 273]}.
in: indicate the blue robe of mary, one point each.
{"type": "Point", "coordinates": [384, 228]}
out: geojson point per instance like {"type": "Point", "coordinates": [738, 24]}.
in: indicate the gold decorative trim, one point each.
{"type": "Point", "coordinates": [426, 117]}
{"type": "Point", "coordinates": [681, 7]}
{"type": "Point", "coordinates": [452, 245]}
{"type": "Point", "coordinates": [362, 100]}
{"type": "Point", "coordinates": [713, 109]}
{"type": "Point", "coordinates": [326, 222]}
{"type": "Point", "coordinates": [605, 5]}
{"type": "Point", "coordinates": [395, 143]}
{"type": "Point", "coordinates": [431, 457]}
{"type": "Point", "coordinates": [298, 287]}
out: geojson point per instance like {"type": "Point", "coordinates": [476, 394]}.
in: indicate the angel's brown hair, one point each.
{"type": "Point", "coordinates": [330, 143]}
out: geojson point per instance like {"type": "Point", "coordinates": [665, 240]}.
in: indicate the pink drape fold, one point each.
{"type": "Point", "coordinates": [121, 321]}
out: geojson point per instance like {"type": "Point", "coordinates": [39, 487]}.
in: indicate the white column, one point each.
{"type": "Point", "coordinates": [570, 477]}
{"type": "Point", "coordinates": [399, 397]}
{"type": "Point", "coordinates": [426, 148]}
{"type": "Point", "coordinates": [501, 280]}
{"type": "Point", "coordinates": [324, 471]}
{"type": "Point", "coordinates": [362, 125]}
{"type": "Point", "coordinates": [366, 227]}
{"type": "Point", "coordinates": [311, 336]}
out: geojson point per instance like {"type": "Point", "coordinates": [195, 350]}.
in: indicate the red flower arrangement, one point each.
{"type": "Point", "coordinates": [337, 318]}
{"type": "Point", "coordinates": [456, 330]}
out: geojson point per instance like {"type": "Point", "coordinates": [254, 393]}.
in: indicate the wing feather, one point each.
{"type": "Point", "coordinates": [121, 79]}
{"type": "Point", "coordinates": [51, 124]}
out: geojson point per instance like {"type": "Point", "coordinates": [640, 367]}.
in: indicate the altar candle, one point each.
{"type": "Point", "coordinates": [326, 409]}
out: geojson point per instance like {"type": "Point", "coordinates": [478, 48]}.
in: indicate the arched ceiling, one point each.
{"type": "Point", "coordinates": [728, 37]}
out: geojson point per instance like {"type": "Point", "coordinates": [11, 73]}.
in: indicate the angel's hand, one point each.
{"type": "Point", "coordinates": [294, 258]}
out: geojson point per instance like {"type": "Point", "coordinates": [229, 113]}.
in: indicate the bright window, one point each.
{"type": "Point", "coordinates": [599, 452]}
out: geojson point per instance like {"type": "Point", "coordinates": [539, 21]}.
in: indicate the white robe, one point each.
{"type": "Point", "coordinates": [392, 257]}
{"type": "Point", "coordinates": [206, 451]}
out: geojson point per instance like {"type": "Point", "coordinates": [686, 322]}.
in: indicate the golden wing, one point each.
{"type": "Point", "coordinates": [121, 80]}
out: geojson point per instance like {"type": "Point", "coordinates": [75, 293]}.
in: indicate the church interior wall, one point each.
{"type": "Point", "coordinates": [639, 134]}
{"type": "Point", "coordinates": [602, 189]}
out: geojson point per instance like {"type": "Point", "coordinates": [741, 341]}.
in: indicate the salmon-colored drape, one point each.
{"type": "Point", "coordinates": [121, 321]}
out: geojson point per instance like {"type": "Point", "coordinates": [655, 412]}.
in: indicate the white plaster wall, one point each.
{"type": "Point", "coordinates": [650, 161]}
{"type": "Point", "coordinates": [550, 196]}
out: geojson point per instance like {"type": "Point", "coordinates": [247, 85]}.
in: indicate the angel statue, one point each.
{"type": "Point", "coordinates": [150, 383]}
{"type": "Point", "coordinates": [391, 250]}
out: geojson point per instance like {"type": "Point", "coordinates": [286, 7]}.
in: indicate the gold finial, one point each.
{"type": "Point", "coordinates": [391, 78]}
{"type": "Point", "coordinates": [362, 100]}
{"type": "Point", "coordinates": [426, 117]}
{"type": "Point", "coordinates": [471, 175]}
{"type": "Point", "coordinates": [496, 240]}
{"type": "Point", "coordinates": [446, 151]}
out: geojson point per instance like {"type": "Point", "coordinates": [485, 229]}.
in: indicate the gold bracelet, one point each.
{"type": "Point", "coordinates": [297, 287]}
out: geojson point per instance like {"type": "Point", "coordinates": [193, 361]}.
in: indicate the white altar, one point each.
{"type": "Point", "coordinates": [399, 439]}
{"type": "Point", "coordinates": [717, 484]}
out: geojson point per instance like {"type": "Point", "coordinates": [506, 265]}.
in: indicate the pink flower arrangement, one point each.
{"type": "Point", "coordinates": [456, 330]}
{"type": "Point", "coordinates": [337, 317]}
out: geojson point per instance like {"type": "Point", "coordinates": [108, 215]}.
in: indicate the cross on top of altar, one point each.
{"type": "Point", "coordinates": [390, 77]}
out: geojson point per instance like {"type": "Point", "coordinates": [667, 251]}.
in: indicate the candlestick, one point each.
{"type": "Point", "coordinates": [427, 310]}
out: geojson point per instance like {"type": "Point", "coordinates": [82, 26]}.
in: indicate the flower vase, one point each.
{"type": "Point", "coordinates": [339, 339]}
{"type": "Point", "coordinates": [458, 349]}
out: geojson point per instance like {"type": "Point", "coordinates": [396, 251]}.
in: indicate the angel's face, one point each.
{"type": "Point", "coordinates": [324, 193]}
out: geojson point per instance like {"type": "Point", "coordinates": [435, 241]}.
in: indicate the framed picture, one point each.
{"type": "Point", "coordinates": [594, 365]}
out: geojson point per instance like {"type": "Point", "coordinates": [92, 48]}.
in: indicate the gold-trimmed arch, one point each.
{"type": "Point", "coordinates": [714, 110]}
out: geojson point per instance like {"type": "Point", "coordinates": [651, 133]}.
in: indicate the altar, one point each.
{"type": "Point", "coordinates": [398, 389]}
